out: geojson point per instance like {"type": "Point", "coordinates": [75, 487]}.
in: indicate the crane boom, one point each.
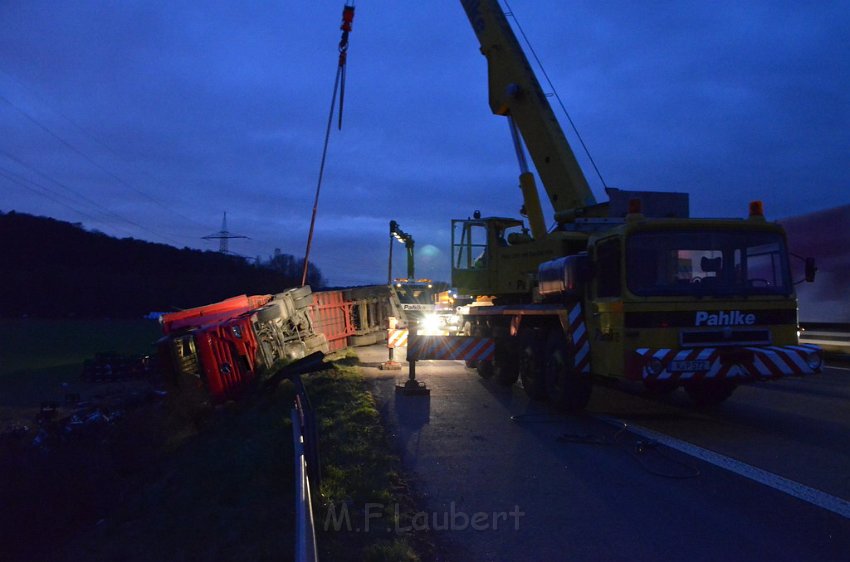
{"type": "Point", "coordinates": [515, 92]}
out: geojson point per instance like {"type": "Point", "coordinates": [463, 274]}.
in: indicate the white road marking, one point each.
{"type": "Point", "coordinates": [838, 368]}
{"type": "Point", "coordinates": [782, 484]}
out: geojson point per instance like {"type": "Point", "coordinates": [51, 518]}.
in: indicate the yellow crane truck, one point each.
{"type": "Point", "coordinates": [630, 289]}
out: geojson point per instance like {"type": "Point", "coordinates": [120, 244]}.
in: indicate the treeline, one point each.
{"type": "Point", "coordinates": [52, 269]}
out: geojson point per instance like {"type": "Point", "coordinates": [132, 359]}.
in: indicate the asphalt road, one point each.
{"type": "Point", "coordinates": [505, 478]}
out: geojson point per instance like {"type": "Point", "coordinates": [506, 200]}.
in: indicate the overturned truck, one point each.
{"type": "Point", "coordinates": [223, 349]}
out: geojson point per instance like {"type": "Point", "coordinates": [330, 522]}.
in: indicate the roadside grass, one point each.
{"type": "Point", "coordinates": [365, 499]}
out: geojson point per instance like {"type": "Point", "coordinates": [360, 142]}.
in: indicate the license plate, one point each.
{"type": "Point", "coordinates": [695, 365]}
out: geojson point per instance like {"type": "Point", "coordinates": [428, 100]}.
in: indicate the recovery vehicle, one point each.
{"type": "Point", "coordinates": [630, 289]}
{"type": "Point", "coordinates": [418, 299]}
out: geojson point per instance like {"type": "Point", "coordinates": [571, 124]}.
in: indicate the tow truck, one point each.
{"type": "Point", "coordinates": [630, 289]}
{"type": "Point", "coordinates": [418, 299]}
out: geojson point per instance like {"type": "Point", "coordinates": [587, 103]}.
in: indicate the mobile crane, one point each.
{"type": "Point", "coordinates": [631, 289]}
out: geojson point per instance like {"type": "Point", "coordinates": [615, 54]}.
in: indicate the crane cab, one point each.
{"type": "Point", "coordinates": [498, 256]}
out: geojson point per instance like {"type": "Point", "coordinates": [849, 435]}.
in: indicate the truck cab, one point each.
{"type": "Point", "coordinates": [674, 301]}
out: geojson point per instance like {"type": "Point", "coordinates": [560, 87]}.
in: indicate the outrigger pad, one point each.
{"type": "Point", "coordinates": [413, 388]}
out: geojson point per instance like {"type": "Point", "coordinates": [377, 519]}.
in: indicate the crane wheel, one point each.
{"type": "Point", "coordinates": [532, 364]}
{"type": "Point", "coordinates": [566, 388]}
{"type": "Point", "coordinates": [506, 365]}
{"type": "Point", "coordinates": [485, 369]}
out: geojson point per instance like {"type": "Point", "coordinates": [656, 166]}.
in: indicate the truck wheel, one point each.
{"type": "Point", "coordinates": [359, 341]}
{"type": "Point", "coordinates": [506, 365]}
{"type": "Point", "coordinates": [705, 394]}
{"type": "Point", "coordinates": [567, 389]}
{"type": "Point", "coordinates": [316, 342]}
{"type": "Point", "coordinates": [270, 312]}
{"type": "Point", "coordinates": [303, 302]}
{"type": "Point", "coordinates": [300, 292]}
{"type": "Point", "coordinates": [532, 365]}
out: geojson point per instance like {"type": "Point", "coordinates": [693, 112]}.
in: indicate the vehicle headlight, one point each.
{"type": "Point", "coordinates": [430, 323]}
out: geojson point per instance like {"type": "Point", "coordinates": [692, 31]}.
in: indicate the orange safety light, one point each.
{"type": "Point", "coordinates": [756, 209]}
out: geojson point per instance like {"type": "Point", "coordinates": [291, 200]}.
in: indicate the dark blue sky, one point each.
{"type": "Point", "coordinates": [149, 119]}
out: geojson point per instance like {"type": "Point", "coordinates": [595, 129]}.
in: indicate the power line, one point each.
{"type": "Point", "coordinates": [44, 192]}
{"type": "Point", "coordinates": [86, 199]}
{"type": "Point", "coordinates": [73, 148]}
{"type": "Point", "coordinates": [91, 160]}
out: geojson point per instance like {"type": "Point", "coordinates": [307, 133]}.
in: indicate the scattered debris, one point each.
{"type": "Point", "coordinates": [110, 367]}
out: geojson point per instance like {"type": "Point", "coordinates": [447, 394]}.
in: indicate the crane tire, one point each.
{"type": "Point", "coordinates": [566, 388]}
{"type": "Point", "coordinates": [532, 363]}
{"type": "Point", "coordinates": [485, 369]}
{"type": "Point", "coordinates": [505, 365]}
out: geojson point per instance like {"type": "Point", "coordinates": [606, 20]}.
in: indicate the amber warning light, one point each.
{"type": "Point", "coordinates": [756, 209]}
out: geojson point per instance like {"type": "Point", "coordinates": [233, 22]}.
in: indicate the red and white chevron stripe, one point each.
{"type": "Point", "coordinates": [578, 335]}
{"type": "Point", "coordinates": [745, 363]}
{"type": "Point", "coordinates": [397, 338]}
{"type": "Point", "coordinates": [450, 347]}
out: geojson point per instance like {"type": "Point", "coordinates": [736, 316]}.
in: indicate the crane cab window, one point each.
{"type": "Point", "coordinates": [469, 245]}
{"type": "Point", "coordinates": [608, 268]}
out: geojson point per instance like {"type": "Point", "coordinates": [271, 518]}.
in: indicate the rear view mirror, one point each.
{"type": "Point", "coordinates": [811, 269]}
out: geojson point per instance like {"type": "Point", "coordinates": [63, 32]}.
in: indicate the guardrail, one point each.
{"type": "Point", "coordinates": [305, 530]}
{"type": "Point", "coordinates": [832, 338]}
{"type": "Point", "coordinates": [305, 438]}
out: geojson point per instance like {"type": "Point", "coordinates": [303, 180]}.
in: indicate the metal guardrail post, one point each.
{"type": "Point", "coordinates": [305, 530]}
{"type": "Point", "coordinates": [305, 436]}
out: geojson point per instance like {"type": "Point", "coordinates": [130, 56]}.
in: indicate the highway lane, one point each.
{"type": "Point", "coordinates": [586, 493]}
{"type": "Point", "coordinates": [797, 428]}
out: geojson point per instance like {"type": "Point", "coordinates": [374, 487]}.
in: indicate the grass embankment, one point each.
{"type": "Point", "coordinates": [215, 484]}
{"type": "Point", "coordinates": [221, 486]}
{"type": "Point", "coordinates": [366, 503]}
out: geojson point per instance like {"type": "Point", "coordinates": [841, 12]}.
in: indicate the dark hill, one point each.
{"type": "Point", "coordinates": [51, 268]}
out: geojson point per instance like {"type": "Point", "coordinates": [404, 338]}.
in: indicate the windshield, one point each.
{"type": "Point", "coordinates": [706, 262]}
{"type": "Point", "coordinates": [415, 293]}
